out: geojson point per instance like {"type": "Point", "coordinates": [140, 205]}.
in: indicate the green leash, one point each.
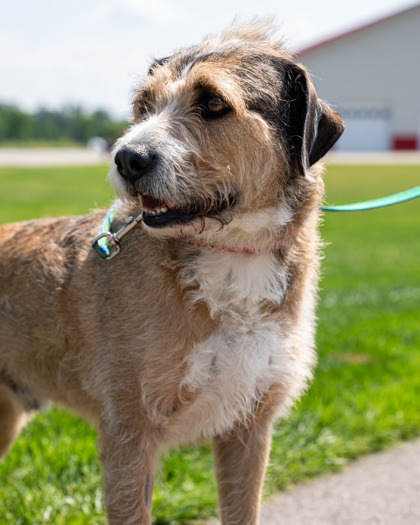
{"type": "Point", "coordinates": [107, 244]}
{"type": "Point", "coordinates": [397, 198]}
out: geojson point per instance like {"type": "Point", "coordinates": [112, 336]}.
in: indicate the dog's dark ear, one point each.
{"type": "Point", "coordinates": [313, 128]}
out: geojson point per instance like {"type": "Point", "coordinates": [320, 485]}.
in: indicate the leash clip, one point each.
{"type": "Point", "coordinates": [103, 249]}
{"type": "Point", "coordinates": [107, 244]}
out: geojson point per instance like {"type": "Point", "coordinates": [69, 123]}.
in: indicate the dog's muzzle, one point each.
{"type": "Point", "coordinates": [137, 164]}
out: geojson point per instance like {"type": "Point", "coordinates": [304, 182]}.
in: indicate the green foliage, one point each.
{"type": "Point", "coordinates": [364, 396]}
{"type": "Point", "coordinates": [71, 124]}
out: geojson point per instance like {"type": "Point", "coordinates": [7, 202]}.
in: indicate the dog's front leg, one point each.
{"type": "Point", "coordinates": [128, 459]}
{"type": "Point", "coordinates": [240, 462]}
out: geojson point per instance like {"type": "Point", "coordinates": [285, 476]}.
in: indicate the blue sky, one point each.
{"type": "Point", "coordinates": [89, 52]}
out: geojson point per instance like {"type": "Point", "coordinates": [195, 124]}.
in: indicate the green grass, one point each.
{"type": "Point", "coordinates": [366, 389]}
{"type": "Point", "coordinates": [51, 192]}
{"type": "Point", "coordinates": [42, 143]}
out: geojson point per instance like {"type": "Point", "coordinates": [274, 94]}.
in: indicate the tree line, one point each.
{"type": "Point", "coordinates": [70, 124]}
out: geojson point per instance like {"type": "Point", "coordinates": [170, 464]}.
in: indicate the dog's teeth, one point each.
{"type": "Point", "coordinates": [158, 211]}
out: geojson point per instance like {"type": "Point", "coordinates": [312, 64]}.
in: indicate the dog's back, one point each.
{"type": "Point", "coordinates": [35, 327]}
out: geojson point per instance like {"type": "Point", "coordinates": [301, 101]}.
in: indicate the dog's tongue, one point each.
{"type": "Point", "coordinates": [151, 204]}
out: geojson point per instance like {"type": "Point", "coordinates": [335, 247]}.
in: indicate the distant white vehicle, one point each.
{"type": "Point", "coordinates": [98, 144]}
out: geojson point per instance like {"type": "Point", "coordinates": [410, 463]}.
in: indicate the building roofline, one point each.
{"type": "Point", "coordinates": [349, 32]}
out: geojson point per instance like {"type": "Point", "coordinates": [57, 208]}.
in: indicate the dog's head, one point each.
{"type": "Point", "coordinates": [225, 130]}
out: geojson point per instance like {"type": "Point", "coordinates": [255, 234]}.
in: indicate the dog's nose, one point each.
{"type": "Point", "coordinates": [134, 161]}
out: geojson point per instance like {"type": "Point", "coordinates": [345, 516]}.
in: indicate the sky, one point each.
{"type": "Point", "coordinates": [90, 52]}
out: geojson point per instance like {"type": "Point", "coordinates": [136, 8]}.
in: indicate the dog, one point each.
{"type": "Point", "coordinates": [203, 326]}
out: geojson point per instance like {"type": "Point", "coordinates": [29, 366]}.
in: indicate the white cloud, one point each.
{"type": "Point", "coordinates": [160, 12]}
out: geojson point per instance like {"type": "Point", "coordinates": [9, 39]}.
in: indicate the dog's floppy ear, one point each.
{"type": "Point", "coordinates": [313, 128]}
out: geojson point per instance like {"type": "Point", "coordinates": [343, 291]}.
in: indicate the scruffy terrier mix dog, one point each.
{"type": "Point", "coordinates": [203, 325]}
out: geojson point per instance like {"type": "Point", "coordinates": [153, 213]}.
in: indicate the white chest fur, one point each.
{"type": "Point", "coordinates": [236, 283]}
{"type": "Point", "coordinates": [246, 353]}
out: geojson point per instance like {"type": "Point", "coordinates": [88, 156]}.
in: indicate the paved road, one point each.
{"type": "Point", "coordinates": [81, 156]}
{"type": "Point", "coordinates": [28, 157]}
{"type": "Point", "coordinates": [380, 489]}
{"type": "Point", "coordinates": [373, 157]}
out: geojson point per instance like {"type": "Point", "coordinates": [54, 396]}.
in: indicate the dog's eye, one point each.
{"type": "Point", "coordinates": [142, 107]}
{"type": "Point", "coordinates": [215, 105]}
{"type": "Point", "coordinates": [212, 106]}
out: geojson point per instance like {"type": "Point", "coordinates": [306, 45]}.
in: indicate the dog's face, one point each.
{"type": "Point", "coordinates": [219, 131]}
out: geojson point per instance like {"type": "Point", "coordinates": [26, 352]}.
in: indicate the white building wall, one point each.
{"type": "Point", "coordinates": [375, 70]}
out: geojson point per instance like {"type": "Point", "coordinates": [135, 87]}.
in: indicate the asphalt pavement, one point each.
{"type": "Point", "coordinates": [379, 489]}
{"type": "Point", "coordinates": [44, 157]}
{"type": "Point", "coordinates": [31, 157]}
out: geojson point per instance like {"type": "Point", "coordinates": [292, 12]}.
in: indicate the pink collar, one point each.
{"type": "Point", "coordinates": [247, 251]}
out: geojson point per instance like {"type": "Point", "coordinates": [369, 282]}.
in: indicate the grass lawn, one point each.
{"type": "Point", "coordinates": [365, 395]}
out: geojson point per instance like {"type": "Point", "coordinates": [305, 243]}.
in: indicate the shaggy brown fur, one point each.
{"type": "Point", "coordinates": [202, 327]}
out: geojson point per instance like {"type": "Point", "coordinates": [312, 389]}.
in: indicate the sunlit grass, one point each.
{"type": "Point", "coordinates": [52, 192]}
{"type": "Point", "coordinates": [365, 395]}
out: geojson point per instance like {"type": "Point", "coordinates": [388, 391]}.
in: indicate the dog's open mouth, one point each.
{"type": "Point", "coordinates": [158, 214]}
